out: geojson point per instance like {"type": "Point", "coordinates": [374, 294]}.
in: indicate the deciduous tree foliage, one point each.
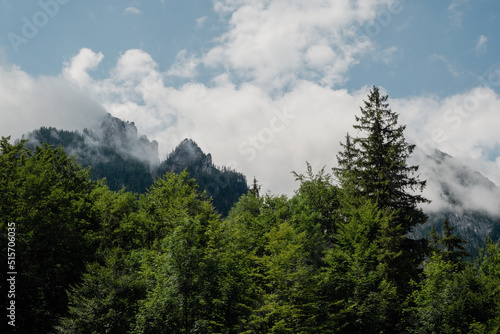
{"type": "Point", "coordinates": [332, 258]}
{"type": "Point", "coordinates": [47, 195]}
{"type": "Point", "coordinates": [454, 298]}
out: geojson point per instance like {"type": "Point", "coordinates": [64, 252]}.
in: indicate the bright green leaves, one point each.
{"type": "Point", "coordinates": [288, 285]}
{"type": "Point", "coordinates": [449, 300]}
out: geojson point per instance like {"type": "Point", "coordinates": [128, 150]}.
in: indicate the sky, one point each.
{"type": "Point", "coordinates": [263, 85]}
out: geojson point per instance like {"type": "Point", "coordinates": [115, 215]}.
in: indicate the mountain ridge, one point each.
{"type": "Point", "coordinates": [468, 199]}
{"type": "Point", "coordinates": [115, 151]}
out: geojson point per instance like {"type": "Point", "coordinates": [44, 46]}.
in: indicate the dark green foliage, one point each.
{"type": "Point", "coordinates": [333, 258]}
{"type": "Point", "coordinates": [47, 195]}
{"type": "Point", "coordinates": [315, 207]}
{"type": "Point", "coordinates": [224, 186]}
{"type": "Point", "coordinates": [374, 167]}
{"type": "Point", "coordinates": [450, 247]}
{"type": "Point", "coordinates": [108, 298]}
{"type": "Point", "coordinates": [255, 189]}
{"type": "Point", "coordinates": [454, 299]}
{"type": "Point", "coordinates": [116, 212]}
{"type": "Point", "coordinates": [358, 279]}
{"type": "Point", "coordinates": [197, 285]}
{"type": "Point", "coordinates": [108, 161]}
{"type": "Point", "coordinates": [282, 281]}
{"type": "Point", "coordinates": [117, 155]}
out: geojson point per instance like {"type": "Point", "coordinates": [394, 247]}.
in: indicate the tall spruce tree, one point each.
{"type": "Point", "coordinates": [374, 166]}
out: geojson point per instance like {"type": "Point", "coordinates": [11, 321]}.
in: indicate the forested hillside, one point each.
{"type": "Point", "coordinates": [115, 152]}
{"type": "Point", "coordinates": [336, 257]}
{"type": "Point", "coordinates": [223, 185]}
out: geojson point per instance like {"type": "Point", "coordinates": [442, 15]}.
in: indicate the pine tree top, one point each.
{"type": "Point", "coordinates": [374, 164]}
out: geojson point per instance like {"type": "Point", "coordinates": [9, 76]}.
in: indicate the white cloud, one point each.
{"type": "Point", "coordinates": [201, 21]}
{"type": "Point", "coordinates": [319, 55]}
{"type": "Point", "coordinates": [185, 65]}
{"type": "Point", "coordinates": [244, 116]}
{"type": "Point", "coordinates": [27, 103]}
{"type": "Point", "coordinates": [454, 187]}
{"type": "Point", "coordinates": [132, 10]}
{"type": "Point", "coordinates": [274, 43]}
{"type": "Point", "coordinates": [481, 45]}
{"type": "Point", "coordinates": [456, 12]}
{"type": "Point", "coordinates": [463, 125]}
{"type": "Point", "coordinates": [77, 69]}
{"type": "Point", "coordinates": [245, 126]}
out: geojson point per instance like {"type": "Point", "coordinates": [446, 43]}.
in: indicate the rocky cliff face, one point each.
{"type": "Point", "coordinates": [123, 137]}
{"type": "Point", "coordinates": [188, 153]}
{"type": "Point", "coordinates": [116, 152]}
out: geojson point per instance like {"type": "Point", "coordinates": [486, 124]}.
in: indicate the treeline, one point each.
{"type": "Point", "coordinates": [118, 155]}
{"type": "Point", "coordinates": [333, 258]}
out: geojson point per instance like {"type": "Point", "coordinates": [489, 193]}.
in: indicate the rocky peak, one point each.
{"type": "Point", "coordinates": [123, 136]}
{"type": "Point", "coordinates": [188, 153]}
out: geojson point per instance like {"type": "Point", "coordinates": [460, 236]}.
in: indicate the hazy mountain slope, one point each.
{"type": "Point", "coordinates": [470, 201]}
{"type": "Point", "coordinates": [225, 186]}
{"type": "Point", "coordinates": [115, 151]}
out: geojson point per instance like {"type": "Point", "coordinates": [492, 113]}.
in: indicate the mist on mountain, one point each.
{"type": "Point", "coordinates": [469, 200]}
{"type": "Point", "coordinates": [223, 184]}
{"type": "Point", "coordinates": [115, 152]}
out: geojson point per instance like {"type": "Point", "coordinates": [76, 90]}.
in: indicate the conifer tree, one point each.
{"type": "Point", "coordinates": [255, 190]}
{"type": "Point", "coordinates": [449, 246]}
{"type": "Point", "coordinates": [373, 166]}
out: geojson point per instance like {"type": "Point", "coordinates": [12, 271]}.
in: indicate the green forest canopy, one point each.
{"type": "Point", "coordinates": [333, 258]}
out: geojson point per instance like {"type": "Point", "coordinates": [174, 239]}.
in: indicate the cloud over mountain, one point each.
{"type": "Point", "coordinates": [263, 97]}
{"type": "Point", "coordinates": [28, 102]}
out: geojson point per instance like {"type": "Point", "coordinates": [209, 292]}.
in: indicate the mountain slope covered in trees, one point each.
{"type": "Point", "coordinates": [116, 152]}
{"type": "Point", "coordinates": [224, 185]}
{"type": "Point", "coordinates": [469, 201]}
{"type": "Point", "coordinates": [336, 257]}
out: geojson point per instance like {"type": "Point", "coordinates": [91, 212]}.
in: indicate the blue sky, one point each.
{"type": "Point", "coordinates": [435, 41]}
{"type": "Point", "coordinates": [259, 83]}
